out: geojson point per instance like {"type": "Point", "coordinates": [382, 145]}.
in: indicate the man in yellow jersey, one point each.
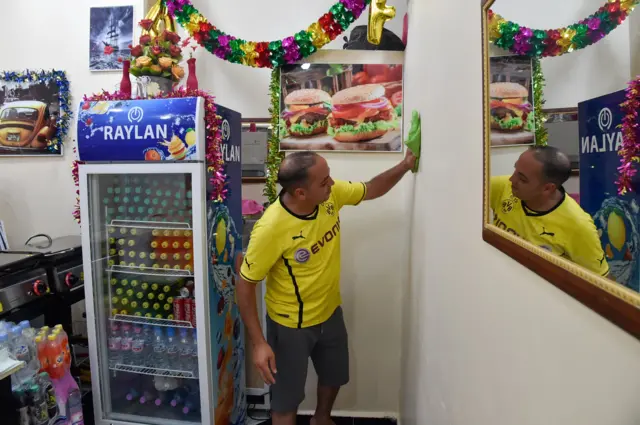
{"type": "Point", "coordinates": [533, 205]}
{"type": "Point", "coordinates": [296, 246]}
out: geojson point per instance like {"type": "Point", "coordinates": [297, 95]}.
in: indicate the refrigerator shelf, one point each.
{"type": "Point", "coordinates": [144, 370]}
{"type": "Point", "coordinates": [151, 321]}
{"type": "Point", "coordinates": [151, 225]}
{"type": "Point", "coordinates": [150, 271]}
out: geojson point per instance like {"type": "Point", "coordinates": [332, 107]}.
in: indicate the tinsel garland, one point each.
{"type": "Point", "coordinates": [267, 54]}
{"type": "Point", "coordinates": [521, 40]}
{"type": "Point", "coordinates": [64, 98]}
{"type": "Point", "coordinates": [274, 156]}
{"type": "Point", "coordinates": [630, 151]}
{"type": "Point", "coordinates": [214, 159]}
{"type": "Point", "coordinates": [538, 103]}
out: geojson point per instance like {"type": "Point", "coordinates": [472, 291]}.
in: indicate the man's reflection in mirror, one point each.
{"type": "Point", "coordinates": [532, 204]}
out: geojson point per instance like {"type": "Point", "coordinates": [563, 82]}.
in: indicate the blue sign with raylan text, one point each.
{"type": "Point", "coordinates": [142, 130]}
{"type": "Point", "coordinates": [615, 216]}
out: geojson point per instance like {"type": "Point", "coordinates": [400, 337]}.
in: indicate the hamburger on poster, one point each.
{"type": "Point", "coordinates": [306, 112]}
{"type": "Point", "coordinates": [361, 113]}
{"type": "Point", "coordinates": [510, 107]}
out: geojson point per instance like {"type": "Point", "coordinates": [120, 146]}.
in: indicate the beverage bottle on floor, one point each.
{"type": "Point", "coordinates": [55, 356]}
{"type": "Point", "coordinates": [125, 344]}
{"type": "Point", "coordinates": [115, 344]}
{"type": "Point", "coordinates": [39, 413]}
{"type": "Point", "coordinates": [173, 351]}
{"type": "Point", "coordinates": [64, 341]}
{"type": "Point", "coordinates": [159, 358]}
{"type": "Point", "coordinates": [74, 403]}
{"type": "Point", "coordinates": [137, 347]}
{"type": "Point", "coordinates": [50, 394]}
{"type": "Point", "coordinates": [22, 406]}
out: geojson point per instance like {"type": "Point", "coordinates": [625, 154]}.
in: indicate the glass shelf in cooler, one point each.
{"type": "Point", "coordinates": [148, 271]}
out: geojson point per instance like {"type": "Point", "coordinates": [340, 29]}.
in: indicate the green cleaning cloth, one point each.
{"type": "Point", "coordinates": [414, 138]}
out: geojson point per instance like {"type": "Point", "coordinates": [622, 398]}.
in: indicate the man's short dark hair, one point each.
{"type": "Point", "coordinates": [294, 170]}
{"type": "Point", "coordinates": [556, 166]}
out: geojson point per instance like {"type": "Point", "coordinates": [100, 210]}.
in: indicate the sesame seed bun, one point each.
{"type": "Point", "coordinates": [358, 94]}
{"type": "Point", "coordinates": [508, 91]}
{"type": "Point", "coordinates": [307, 97]}
{"type": "Point", "coordinates": [359, 137]}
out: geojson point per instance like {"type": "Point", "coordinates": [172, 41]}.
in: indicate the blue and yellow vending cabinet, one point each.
{"type": "Point", "coordinates": [166, 339]}
{"type": "Point", "coordinates": [615, 216]}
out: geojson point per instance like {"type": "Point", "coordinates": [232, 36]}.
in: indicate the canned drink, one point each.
{"type": "Point", "coordinates": [188, 310]}
{"type": "Point", "coordinates": [192, 302]}
{"type": "Point", "coordinates": [178, 308]}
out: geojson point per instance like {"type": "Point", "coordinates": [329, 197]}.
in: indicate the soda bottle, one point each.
{"type": "Point", "coordinates": [50, 394]}
{"type": "Point", "coordinates": [23, 406]}
{"type": "Point", "coordinates": [179, 397]}
{"type": "Point", "coordinates": [137, 347]}
{"type": "Point", "coordinates": [5, 347]}
{"type": "Point", "coordinates": [55, 356]}
{"type": "Point", "coordinates": [159, 350]}
{"type": "Point", "coordinates": [115, 344]}
{"type": "Point", "coordinates": [125, 344]}
{"type": "Point", "coordinates": [41, 344]}
{"type": "Point", "coordinates": [148, 396]}
{"type": "Point", "coordinates": [132, 394]}
{"type": "Point", "coordinates": [185, 351]}
{"type": "Point", "coordinates": [39, 411]}
{"type": "Point", "coordinates": [64, 341]}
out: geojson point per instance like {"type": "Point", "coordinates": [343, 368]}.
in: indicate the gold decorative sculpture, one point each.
{"type": "Point", "coordinates": [161, 20]}
{"type": "Point", "coordinates": [379, 13]}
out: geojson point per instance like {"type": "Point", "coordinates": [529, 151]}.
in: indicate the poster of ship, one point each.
{"type": "Point", "coordinates": [111, 34]}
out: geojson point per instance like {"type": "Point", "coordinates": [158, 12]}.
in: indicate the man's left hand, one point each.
{"type": "Point", "coordinates": [409, 160]}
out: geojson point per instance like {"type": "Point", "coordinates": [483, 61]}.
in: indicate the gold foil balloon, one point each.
{"type": "Point", "coordinates": [379, 13]}
{"type": "Point", "coordinates": [161, 20]}
{"type": "Point", "coordinates": [616, 230]}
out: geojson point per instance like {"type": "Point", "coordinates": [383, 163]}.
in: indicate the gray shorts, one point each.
{"type": "Point", "coordinates": [327, 346]}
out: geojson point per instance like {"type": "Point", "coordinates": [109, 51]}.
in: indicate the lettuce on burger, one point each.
{"type": "Point", "coordinates": [306, 112]}
{"type": "Point", "coordinates": [510, 107]}
{"type": "Point", "coordinates": [361, 113]}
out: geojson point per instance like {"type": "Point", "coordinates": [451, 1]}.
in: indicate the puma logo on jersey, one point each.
{"type": "Point", "coordinates": [295, 238]}
{"type": "Point", "coordinates": [248, 263]}
{"type": "Point", "coordinates": [544, 232]}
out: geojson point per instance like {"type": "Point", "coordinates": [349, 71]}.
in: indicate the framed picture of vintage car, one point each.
{"type": "Point", "coordinates": [30, 112]}
{"type": "Point", "coordinates": [555, 207]}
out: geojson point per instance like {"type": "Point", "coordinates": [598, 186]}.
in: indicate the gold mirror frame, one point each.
{"type": "Point", "coordinates": [613, 301]}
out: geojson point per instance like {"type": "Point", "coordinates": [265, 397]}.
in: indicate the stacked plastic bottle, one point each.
{"type": "Point", "coordinates": [157, 347]}
{"type": "Point", "coordinates": [181, 395]}
{"type": "Point", "coordinates": [44, 389]}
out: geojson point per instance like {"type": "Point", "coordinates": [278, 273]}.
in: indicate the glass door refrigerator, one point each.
{"type": "Point", "coordinates": [166, 341]}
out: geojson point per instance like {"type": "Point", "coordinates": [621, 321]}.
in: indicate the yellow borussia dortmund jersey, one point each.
{"type": "Point", "coordinates": [300, 257]}
{"type": "Point", "coordinates": [566, 230]}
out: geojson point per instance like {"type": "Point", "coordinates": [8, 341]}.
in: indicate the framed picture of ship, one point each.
{"type": "Point", "coordinates": [110, 35]}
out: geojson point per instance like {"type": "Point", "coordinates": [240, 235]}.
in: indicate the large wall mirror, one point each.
{"type": "Point", "coordinates": [555, 208]}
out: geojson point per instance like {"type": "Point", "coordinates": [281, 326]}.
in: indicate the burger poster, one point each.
{"type": "Point", "coordinates": [511, 101]}
{"type": "Point", "coordinates": [329, 107]}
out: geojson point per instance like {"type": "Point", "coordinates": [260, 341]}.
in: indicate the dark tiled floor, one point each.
{"type": "Point", "coordinates": [304, 420]}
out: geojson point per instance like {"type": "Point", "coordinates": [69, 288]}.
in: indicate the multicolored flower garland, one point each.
{"type": "Point", "coordinates": [521, 40]}
{"type": "Point", "coordinates": [266, 54]}
{"type": "Point", "coordinates": [630, 151]}
{"type": "Point", "coordinates": [538, 103]}
{"type": "Point", "coordinates": [213, 134]}
{"type": "Point", "coordinates": [64, 98]}
{"type": "Point", "coordinates": [274, 156]}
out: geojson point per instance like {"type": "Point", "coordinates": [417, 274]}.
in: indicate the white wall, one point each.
{"type": "Point", "coordinates": [486, 342]}
{"type": "Point", "coordinates": [37, 195]}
